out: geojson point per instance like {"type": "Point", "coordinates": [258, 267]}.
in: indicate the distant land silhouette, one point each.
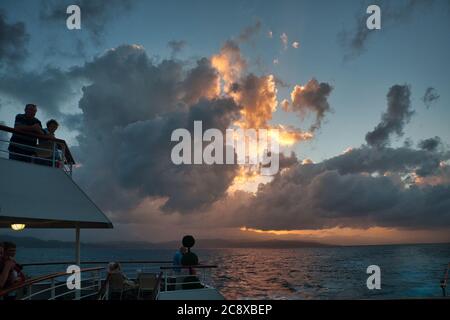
{"type": "Point", "coordinates": [30, 242]}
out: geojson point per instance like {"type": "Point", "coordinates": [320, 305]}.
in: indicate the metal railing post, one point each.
{"type": "Point", "coordinates": [78, 291]}
{"type": "Point", "coordinates": [165, 281]}
{"type": "Point", "coordinates": [99, 274]}
{"type": "Point", "coordinates": [54, 155]}
{"type": "Point", "coordinates": [78, 260]}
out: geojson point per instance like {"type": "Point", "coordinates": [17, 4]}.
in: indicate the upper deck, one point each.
{"type": "Point", "coordinates": [39, 192]}
{"type": "Point", "coordinates": [62, 157]}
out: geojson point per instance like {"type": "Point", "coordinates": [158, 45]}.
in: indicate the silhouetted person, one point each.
{"type": "Point", "coordinates": [48, 147]}
{"type": "Point", "coordinates": [26, 123]}
{"type": "Point", "coordinates": [190, 260]}
{"type": "Point", "coordinates": [11, 271]}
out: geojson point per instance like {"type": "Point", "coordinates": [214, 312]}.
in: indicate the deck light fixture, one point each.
{"type": "Point", "coordinates": [18, 226]}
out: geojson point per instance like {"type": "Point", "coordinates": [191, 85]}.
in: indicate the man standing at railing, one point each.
{"type": "Point", "coordinates": [27, 123]}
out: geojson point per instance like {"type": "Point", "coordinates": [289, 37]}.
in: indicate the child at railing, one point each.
{"type": "Point", "coordinates": [48, 150]}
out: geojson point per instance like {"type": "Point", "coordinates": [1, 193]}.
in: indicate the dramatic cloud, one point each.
{"type": "Point", "coordinates": [430, 144]}
{"type": "Point", "coordinates": [95, 13]}
{"type": "Point", "coordinates": [355, 41]}
{"type": "Point", "coordinates": [129, 107]}
{"type": "Point", "coordinates": [430, 97]}
{"type": "Point", "coordinates": [385, 160]}
{"type": "Point", "coordinates": [288, 161]}
{"type": "Point", "coordinates": [130, 104]}
{"type": "Point", "coordinates": [311, 98]}
{"type": "Point", "coordinates": [13, 42]}
{"type": "Point", "coordinates": [361, 188]}
{"type": "Point", "coordinates": [258, 96]}
{"type": "Point", "coordinates": [127, 128]}
{"type": "Point", "coordinates": [202, 81]}
{"type": "Point", "coordinates": [401, 188]}
{"type": "Point", "coordinates": [394, 119]}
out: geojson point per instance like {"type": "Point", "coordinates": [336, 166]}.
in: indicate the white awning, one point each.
{"type": "Point", "coordinates": [44, 197]}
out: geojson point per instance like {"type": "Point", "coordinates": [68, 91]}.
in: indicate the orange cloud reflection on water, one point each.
{"type": "Point", "coordinates": [355, 236]}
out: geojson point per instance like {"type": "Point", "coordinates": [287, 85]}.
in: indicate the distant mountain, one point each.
{"type": "Point", "coordinates": [30, 242]}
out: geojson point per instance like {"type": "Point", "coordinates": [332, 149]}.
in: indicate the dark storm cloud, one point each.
{"type": "Point", "coordinates": [202, 81]}
{"type": "Point", "coordinates": [394, 119]}
{"type": "Point", "coordinates": [13, 42]}
{"type": "Point", "coordinates": [385, 160]}
{"type": "Point", "coordinates": [130, 109]}
{"type": "Point", "coordinates": [126, 87]}
{"type": "Point", "coordinates": [345, 191]}
{"type": "Point", "coordinates": [313, 97]}
{"type": "Point", "coordinates": [138, 157]}
{"type": "Point", "coordinates": [430, 97]}
{"type": "Point", "coordinates": [364, 187]}
{"type": "Point", "coordinates": [392, 14]}
{"type": "Point", "coordinates": [287, 161]}
{"type": "Point", "coordinates": [430, 144]}
{"type": "Point", "coordinates": [145, 165]}
{"type": "Point", "coordinates": [95, 14]}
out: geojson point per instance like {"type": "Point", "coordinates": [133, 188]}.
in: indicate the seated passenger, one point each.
{"type": "Point", "coordinates": [46, 147]}
{"type": "Point", "coordinates": [116, 281]}
{"type": "Point", "coordinates": [22, 147]}
{"type": "Point", "coordinates": [11, 272]}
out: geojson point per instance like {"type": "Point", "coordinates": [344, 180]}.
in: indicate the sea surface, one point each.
{"type": "Point", "coordinates": [306, 273]}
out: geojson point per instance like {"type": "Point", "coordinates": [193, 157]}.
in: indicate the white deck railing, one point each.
{"type": "Point", "coordinates": [53, 286]}
{"type": "Point", "coordinates": [59, 151]}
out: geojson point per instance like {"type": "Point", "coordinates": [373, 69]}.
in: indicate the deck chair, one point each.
{"type": "Point", "coordinates": [146, 282]}
{"type": "Point", "coordinates": [117, 286]}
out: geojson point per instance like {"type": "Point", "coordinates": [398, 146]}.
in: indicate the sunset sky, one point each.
{"type": "Point", "coordinates": [365, 113]}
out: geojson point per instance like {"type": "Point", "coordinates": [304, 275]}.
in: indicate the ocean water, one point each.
{"type": "Point", "coordinates": [306, 273]}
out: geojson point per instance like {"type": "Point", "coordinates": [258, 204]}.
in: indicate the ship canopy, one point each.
{"type": "Point", "coordinates": [44, 197]}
